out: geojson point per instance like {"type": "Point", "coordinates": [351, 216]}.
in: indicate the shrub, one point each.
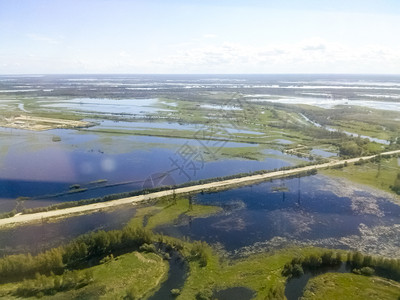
{"type": "Point", "coordinates": [131, 295]}
{"type": "Point", "coordinates": [200, 252]}
{"type": "Point", "coordinates": [367, 271]}
{"type": "Point", "coordinates": [148, 248]}
{"type": "Point", "coordinates": [275, 293]}
{"type": "Point", "coordinates": [297, 270]}
{"type": "Point", "coordinates": [107, 259]}
{"type": "Point", "coordinates": [175, 292]}
{"type": "Point", "coordinates": [205, 294]}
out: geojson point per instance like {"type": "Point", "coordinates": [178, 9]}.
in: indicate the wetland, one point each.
{"type": "Point", "coordinates": [71, 138]}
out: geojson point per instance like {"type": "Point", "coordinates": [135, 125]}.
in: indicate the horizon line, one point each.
{"type": "Point", "coordinates": [191, 74]}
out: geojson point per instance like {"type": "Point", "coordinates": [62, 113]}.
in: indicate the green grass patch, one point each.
{"type": "Point", "coordinates": [364, 128]}
{"type": "Point", "coordinates": [379, 175]}
{"type": "Point", "coordinates": [260, 272]}
{"type": "Point", "coordinates": [251, 153]}
{"type": "Point", "coordinates": [137, 273]}
{"type": "Point", "coordinates": [351, 286]}
{"type": "Point", "coordinates": [167, 212]}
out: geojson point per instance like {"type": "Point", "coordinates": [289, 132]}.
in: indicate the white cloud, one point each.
{"type": "Point", "coordinates": [43, 38]}
{"type": "Point", "coordinates": [314, 55]}
{"type": "Point", "coordinates": [209, 36]}
{"type": "Point", "coordinates": [311, 55]}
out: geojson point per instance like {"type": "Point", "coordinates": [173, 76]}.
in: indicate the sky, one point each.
{"type": "Point", "coordinates": [199, 36]}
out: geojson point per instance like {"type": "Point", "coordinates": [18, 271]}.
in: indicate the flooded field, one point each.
{"type": "Point", "coordinates": [314, 210]}
{"type": "Point", "coordinates": [72, 138]}
{"type": "Point", "coordinates": [311, 210]}
{"type": "Point", "coordinates": [104, 163]}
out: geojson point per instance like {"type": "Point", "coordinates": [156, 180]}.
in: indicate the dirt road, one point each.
{"type": "Point", "coordinates": [20, 218]}
{"type": "Point", "coordinates": [40, 123]}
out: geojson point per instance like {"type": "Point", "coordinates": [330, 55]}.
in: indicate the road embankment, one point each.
{"type": "Point", "coordinates": [35, 217]}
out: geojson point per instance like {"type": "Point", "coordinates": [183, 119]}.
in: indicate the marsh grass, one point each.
{"type": "Point", "coordinates": [351, 286]}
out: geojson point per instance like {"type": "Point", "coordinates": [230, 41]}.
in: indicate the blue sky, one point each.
{"type": "Point", "coordinates": [199, 36]}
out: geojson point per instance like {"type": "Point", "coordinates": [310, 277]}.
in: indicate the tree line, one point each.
{"type": "Point", "coordinates": [97, 247]}
{"type": "Point", "coordinates": [298, 265]}
{"type": "Point", "coordinates": [50, 285]}
{"type": "Point", "coordinates": [396, 185]}
{"type": "Point", "coordinates": [91, 246]}
{"type": "Point", "coordinates": [356, 261]}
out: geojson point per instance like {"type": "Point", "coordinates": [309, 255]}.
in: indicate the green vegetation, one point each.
{"type": "Point", "coordinates": [359, 147]}
{"type": "Point", "coordinates": [56, 139]}
{"type": "Point", "coordinates": [267, 273]}
{"type": "Point", "coordinates": [312, 262]}
{"type": "Point", "coordinates": [131, 263]}
{"type": "Point", "coordinates": [359, 264]}
{"type": "Point", "coordinates": [378, 173]}
{"type": "Point", "coordinates": [95, 245]}
{"type": "Point", "coordinates": [8, 214]}
{"type": "Point", "coordinates": [50, 272]}
{"type": "Point", "coordinates": [182, 206]}
{"type": "Point", "coordinates": [51, 285]}
{"type": "Point", "coordinates": [135, 273]}
{"type": "Point", "coordinates": [396, 185]}
{"type": "Point", "coordinates": [99, 181]}
{"type": "Point", "coordinates": [350, 286]}
{"type": "Point", "coordinates": [251, 153]}
{"type": "Point", "coordinates": [138, 272]}
{"type": "Point", "coordinates": [269, 121]}
{"type": "Point", "coordinates": [74, 186]}
{"type": "Point", "coordinates": [368, 265]}
{"type": "Point", "coordinates": [169, 209]}
{"type": "Point", "coordinates": [260, 273]}
{"type": "Point", "coordinates": [380, 124]}
{"type": "Point", "coordinates": [350, 149]}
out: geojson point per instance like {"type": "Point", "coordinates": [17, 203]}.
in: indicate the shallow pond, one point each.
{"type": "Point", "coordinates": [33, 165]}
{"type": "Point", "coordinates": [108, 106]}
{"type": "Point", "coordinates": [283, 141]}
{"type": "Point", "coordinates": [330, 103]}
{"type": "Point", "coordinates": [38, 237]}
{"type": "Point", "coordinates": [323, 153]}
{"type": "Point", "coordinates": [312, 210]}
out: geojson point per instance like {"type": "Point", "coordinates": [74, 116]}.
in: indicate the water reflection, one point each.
{"type": "Point", "coordinates": [310, 211]}
{"type": "Point", "coordinates": [314, 210]}
{"type": "Point", "coordinates": [45, 235]}
{"type": "Point", "coordinates": [35, 166]}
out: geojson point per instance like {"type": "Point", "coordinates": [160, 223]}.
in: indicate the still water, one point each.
{"type": "Point", "coordinates": [313, 210]}
{"type": "Point", "coordinates": [33, 165]}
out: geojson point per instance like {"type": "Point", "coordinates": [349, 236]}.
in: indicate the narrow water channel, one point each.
{"type": "Point", "coordinates": [295, 286]}
{"type": "Point", "coordinates": [176, 278]}
{"type": "Point", "coordinates": [235, 293]}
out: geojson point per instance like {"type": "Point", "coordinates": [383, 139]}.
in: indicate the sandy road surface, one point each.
{"type": "Point", "coordinates": [40, 123]}
{"type": "Point", "coordinates": [20, 218]}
